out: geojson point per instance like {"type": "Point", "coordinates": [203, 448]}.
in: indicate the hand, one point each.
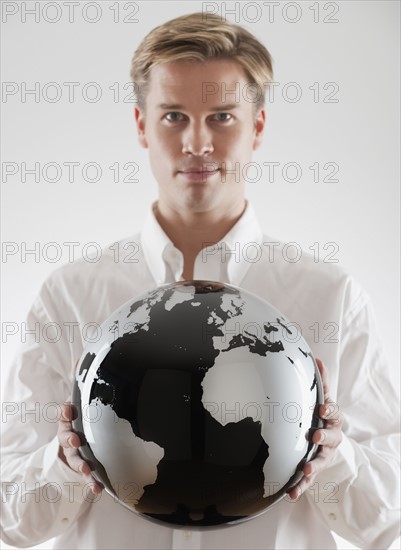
{"type": "Point", "coordinates": [328, 439]}
{"type": "Point", "coordinates": [68, 449]}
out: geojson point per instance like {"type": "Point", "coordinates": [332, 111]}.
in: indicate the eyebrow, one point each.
{"type": "Point", "coordinates": [174, 106]}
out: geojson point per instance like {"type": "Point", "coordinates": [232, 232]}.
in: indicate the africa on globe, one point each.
{"type": "Point", "coordinates": [194, 404]}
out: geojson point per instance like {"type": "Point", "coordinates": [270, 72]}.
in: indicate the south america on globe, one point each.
{"type": "Point", "coordinates": [194, 403]}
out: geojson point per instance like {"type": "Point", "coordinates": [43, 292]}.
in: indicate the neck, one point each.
{"type": "Point", "coordinates": [191, 231]}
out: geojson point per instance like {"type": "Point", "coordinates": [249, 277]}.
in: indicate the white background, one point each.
{"type": "Point", "coordinates": [360, 133]}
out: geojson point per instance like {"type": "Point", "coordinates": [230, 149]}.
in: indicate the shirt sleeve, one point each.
{"type": "Point", "coordinates": [41, 495]}
{"type": "Point", "coordinates": [358, 494]}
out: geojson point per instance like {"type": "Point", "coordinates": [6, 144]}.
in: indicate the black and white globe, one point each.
{"type": "Point", "coordinates": [194, 403]}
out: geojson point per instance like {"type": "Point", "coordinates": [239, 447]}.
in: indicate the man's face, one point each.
{"type": "Point", "coordinates": [200, 133]}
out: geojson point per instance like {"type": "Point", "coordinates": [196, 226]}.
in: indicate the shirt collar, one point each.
{"type": "Point", "coordinates": [236, 251]}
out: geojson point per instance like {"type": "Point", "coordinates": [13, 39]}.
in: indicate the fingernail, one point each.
{"type": "Point", "coordinates": [311, 432]}
{"type": "Point", "coordinates": [70, 441]}
{"type": "Point", "coordinates": [326, 412]}
{"type": "Point", "coordinates": [297, 493]}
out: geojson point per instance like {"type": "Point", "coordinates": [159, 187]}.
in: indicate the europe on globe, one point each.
{"type": "Point", "coordinates": [194, 403]}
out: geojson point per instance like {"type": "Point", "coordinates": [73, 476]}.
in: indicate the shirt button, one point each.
{"type": "Point", "coordinates": [187, 534]}
{"type": "Point", "coordinates": [332, 516]}
{"type": "Point", "coordinates": [64, 520]}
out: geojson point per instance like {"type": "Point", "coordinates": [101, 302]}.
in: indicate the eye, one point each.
{"type": "Point", "coordinates": [223, 117]}
{"type": "Point", "coordinates": [174, 116]}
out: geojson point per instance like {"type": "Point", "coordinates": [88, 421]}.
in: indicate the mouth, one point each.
{"type": "Point", "coordinates": [196, 174]}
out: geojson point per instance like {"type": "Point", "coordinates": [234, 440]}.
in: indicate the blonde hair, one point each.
{"type": "Point", "coordinates": [200, 37]}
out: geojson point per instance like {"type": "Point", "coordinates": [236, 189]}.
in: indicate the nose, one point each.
{"type": "Point", "coordinates": [197, 140]}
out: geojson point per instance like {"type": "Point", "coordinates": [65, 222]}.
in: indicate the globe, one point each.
{"type": "Point", "coordinates": [194, 402]}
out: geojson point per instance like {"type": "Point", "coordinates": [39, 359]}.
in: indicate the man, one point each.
{"type": "Point", "coordinates": [198, 144]}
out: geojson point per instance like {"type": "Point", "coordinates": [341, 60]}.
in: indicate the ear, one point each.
{"type": "Point", "coordinates": [260, 121]}
{"type": "Point", "coordinates": [140, 124]}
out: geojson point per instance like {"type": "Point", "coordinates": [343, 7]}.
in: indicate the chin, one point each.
{"type": "Point", "coordinates": [199, 204]}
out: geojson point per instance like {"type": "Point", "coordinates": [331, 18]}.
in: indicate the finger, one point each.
{"type": "Point", "coordinates": [79, 465]}
{"type": "Point", "coordinates": [329, 410]}
{"type": "Point", "coordinates": [70, 411]}
{"type": "Point", "coordinates": [94, 485]}
{"type": "Point", "coordinates": [319, 463]}
{"type": "Point", "coordinates": [69, 439]}
{"type": "Point", "coordinates": [324, 377]}
{"type": "Point", "coordinates": [295, 492]}
{"type": "Point", "coordinates": [65, 412]}
{"type": "Point", "coordinates": [76, 462]}
{"type": "Point", "coordinates": [64, 430]}
{"type": "Point", "coordinates": [328, 437]}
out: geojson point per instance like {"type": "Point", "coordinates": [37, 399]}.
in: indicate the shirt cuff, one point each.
{"type": "Point", "coordinates": [343, 466]}
{"type": "Point", "coordinates": [331, 484]}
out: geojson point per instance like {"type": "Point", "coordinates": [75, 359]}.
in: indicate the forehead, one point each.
{"type": "Point", "coordinates": [208, 82]}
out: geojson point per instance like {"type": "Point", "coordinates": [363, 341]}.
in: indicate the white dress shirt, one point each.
{"type": "Point", "coordinates": [357, 496]}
